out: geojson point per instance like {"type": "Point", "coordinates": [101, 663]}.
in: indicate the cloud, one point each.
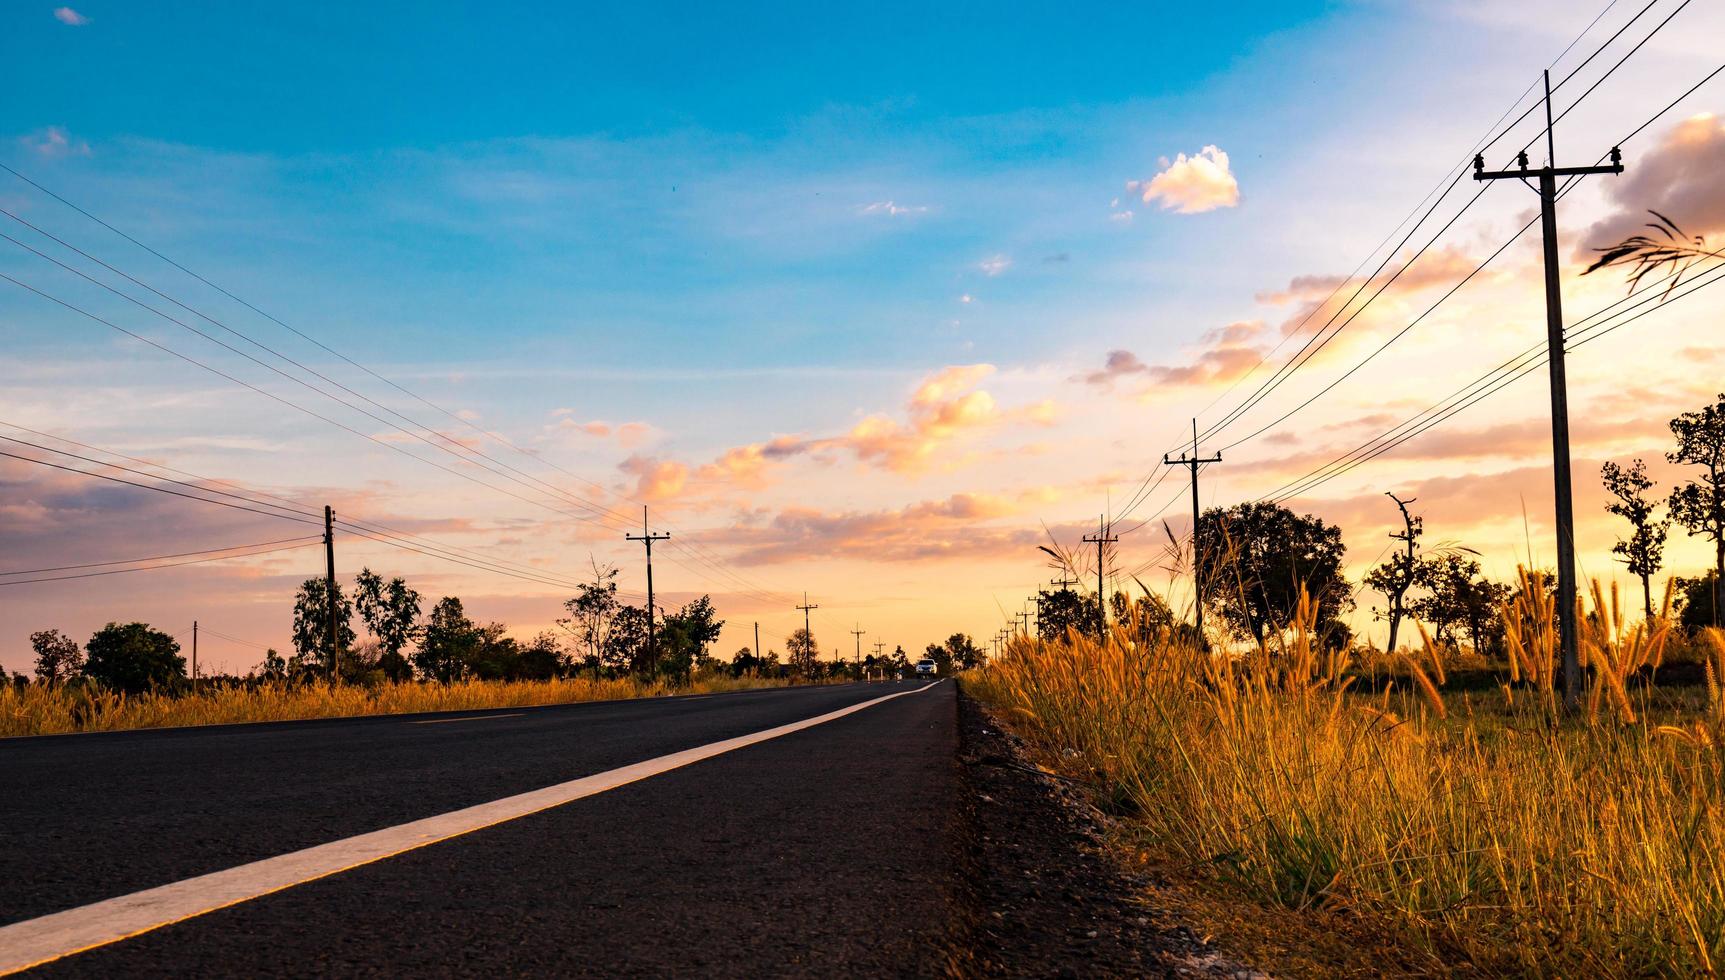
{"type": "Point", "coordinates": [892, 209]}
{"type": "Point", "coordinates": [949, 528]}
{"type": "Point", "coordinates": [1679, 178]}
{"type": "Point", "coordinates": [54, 143]}
{"type": "Point", "coordinates": [70, 17]}
{"type": "Point", "coordinates": [1231, 352]}
{"type": "Point", "coordinates": [944, 407]}
{"type": "Point", "coordinates": [655, 479]}
{"type": "Point", "coordinates": [629, 434]}
{"type": "Point", "coordinates": [994, 265]}
{"type": "Point", "coordinates": [1192, 184]}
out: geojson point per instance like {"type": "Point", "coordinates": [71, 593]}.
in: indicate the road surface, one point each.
{"type": "Point", "coordinates": [575, 839]}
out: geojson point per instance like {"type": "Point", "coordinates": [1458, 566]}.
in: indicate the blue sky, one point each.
{"type": "Point", "coordinates": [712, 228]}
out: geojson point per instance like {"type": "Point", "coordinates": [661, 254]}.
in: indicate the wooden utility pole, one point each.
{"type": "Point", "coordinates": [757, 642]}
{"type": "Point", "coordinates": [880, 656]}
{"type": "Point", "coordinates": [194, 656]}
{"type": "Point", "coordinates": [858, 633]}
{"type": "Point", "coordinates": [1192, 463]}
{"type": "Point", "coordinates": [1101, 539]}
{"type": "Point", "coordinates": [808, 633]}
{"type": "Point", "coordinates": [1547, 177]}
{"type": "Point", "coordinates": [330, 639]}
{"type": "Point", "coordinates": [647, 537]}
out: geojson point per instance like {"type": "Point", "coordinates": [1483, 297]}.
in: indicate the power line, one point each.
{"type": "Point", "coordinates": [151, 568]}
{"type": "Point", "coordinates": [135, 561]}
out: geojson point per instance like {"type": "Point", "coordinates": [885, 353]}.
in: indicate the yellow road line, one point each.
{"type": "Point", "coordinates": [34, 942]}
{"type": "Point", "coordinates": [451, 721]}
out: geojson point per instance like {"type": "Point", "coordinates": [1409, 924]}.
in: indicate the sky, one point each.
{"type": "Point", "coordinates": [865, 303]}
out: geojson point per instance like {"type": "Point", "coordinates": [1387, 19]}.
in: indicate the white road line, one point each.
{"type": "Point", "coordinates": [34, 942]}
{"type": "Point", "coordinates": [452, 721]}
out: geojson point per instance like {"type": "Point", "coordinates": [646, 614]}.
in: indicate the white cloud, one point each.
{"type": "Point", "coordinates": [70, 17]}
{"type": "Point", "coordinates": [55, 142]}
{"type": "Point", "coordinates": [892, 208]}
{"type": "Point", "coordinates": [966, 298]}
{"type": "Point", "coordinates": [994, 265]}
{"type": "Point", "coordinates": [1192, 184]}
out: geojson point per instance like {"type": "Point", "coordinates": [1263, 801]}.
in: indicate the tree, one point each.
{"type": "Point", "coordinates": [1145, 619]}
{"type": "Point", "coordinates": [134, 658]}
{"type": "Point", "coordinates": [800, 648]}
{"type": "Point", "coordinates": [58, 656]}
{"type": "Point", "coordinates": [941, 656]}
{"type": "Point", "coordinates": [1644, 550]}
{"type": "Point", "coordinates": [626, 644]}
{"type": "Point", "coordinates": [1457, 596]}
{"type": "Point", "coordinates": [390, 613]}
{"type": "Point", "coordinates": [684, 637]}
{"type": "Point", "coordinates": [1695, 609]}
{"type": "Point", "coordinates": [448, 642]}
{"type": "Point", "coordinates": [1395, 577]}
{"type": "Point", "coordinates": [590, 614]}
{"type": "Point", "coordinates": [963, 652]}
{"type": "Point", "coordinates": [311, 621]}
{"type": "Point", "coordinates": [1064, 609]}
{"type": "Point", "coordinates": [1699, 506]}
{"type": "Point", "coordinates": [1261, 556]}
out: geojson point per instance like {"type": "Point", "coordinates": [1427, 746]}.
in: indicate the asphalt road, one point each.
{"type": "Point", "coordinates": [824, 851]}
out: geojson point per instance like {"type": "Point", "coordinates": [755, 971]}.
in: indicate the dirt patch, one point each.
{"type": "Point", "coordinates": [1042, 896]}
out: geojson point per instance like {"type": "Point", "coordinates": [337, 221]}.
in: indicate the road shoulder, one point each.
{"type": "Point", "coordinates": [1040, 895]}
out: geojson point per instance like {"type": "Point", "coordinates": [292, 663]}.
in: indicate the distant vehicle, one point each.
{"type": "Point", "coordinates": [926, 666]}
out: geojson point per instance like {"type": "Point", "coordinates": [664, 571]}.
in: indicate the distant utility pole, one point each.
{"type": "Point", "coordinates": [1101, 539]}
{"type": "Point", "coordinates": [1023, 622]}
{"type": "Point", "coordinates": [808, 633]}
{"type": "Point", "coordinates": [1547, 176]}
{"type": "Point", "coordinates": [757, 641]}
{"type": "Point", "coordinates": [1192, 463]}
{"type": "Point", "coordinates": [647, 538]}
{"type": "Point", "coordinates": [194, 656]}
{"type": "Point", "coordinates": [329, 586]}
{"type": "Point", "coordinates": [858, 633]}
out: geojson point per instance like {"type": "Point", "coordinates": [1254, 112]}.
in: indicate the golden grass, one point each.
{"type": "Point", "coordinates": [41, 710]}
{"type": "Point", "coordinates": [1503, 839]}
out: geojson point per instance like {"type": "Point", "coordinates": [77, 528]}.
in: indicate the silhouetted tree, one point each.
{"type": "Point", "coordinates": [1695, 609]}
{"type": "Point", "coordinates": [58, 656]}
{"type": "Point", "coordinates": [1699, 506]}
{"type": "Point", "coordinates": [134, 658]}
{"type": "Point", "coordinates": [590, 614]}
{"type": "Point", "coordinates": [962, 652]}
{"type": "Point", "coordinates": [1260, 556]}
{"type": "Point", "coordinates": [941, 656]}
{"type": "Point", "coordinates": [447, 643]}
{"type": "Point", "coordinates": [311, 621]}
{"type": "Point", "coordinates": [1644, 550]}
{"type": "Point", "coordinates": [626, 642]}
{"type": "Point", "coordinates": [390, 612]}
{"type": "Point", "coordinates": [800, 648]}
{"type": "Point", "coordinates": [1064, 609]}
{"type": "Point", "coordinates": [1457, 596]}
{"type": "Point", "coordinates": [1396, 576]}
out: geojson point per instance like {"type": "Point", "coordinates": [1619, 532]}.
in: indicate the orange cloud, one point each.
{"type": "Point", "coordinates": [1679, 178]}
{"type": "Point", "coordinates": [656, 479]}
{"type": "Point", "coordinates": [949, 528]}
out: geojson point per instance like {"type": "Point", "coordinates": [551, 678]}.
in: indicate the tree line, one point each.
{"type": "Point", "coordinates": [1260, 558]}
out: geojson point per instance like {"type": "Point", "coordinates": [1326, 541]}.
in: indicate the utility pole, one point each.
{"type": "Point", "coordinates": [194, 656]}
{"type": "Point", "coordinates": [1547, 176]}
{"type": "Point", "coordinates": [757, 642]}
{"type": "Point", "coordinates": [647, 537]}
{"type": "Point", "coordinates": [329, 585]}
{"type": "Point", "coordinates": [858, 633]}
{"type": "Point", "coordinates": [808, 633]}
{"type": "Point", "coordinates": [1101, 539]}
{"type": "Point", "coordinates": [1192, 463]}
{"type": "Point", "coordinates": [879, 657]}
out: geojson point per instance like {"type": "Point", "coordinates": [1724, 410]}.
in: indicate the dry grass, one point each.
{"type": "Point", "coordinates": [1503, 839]}
{"type": "Point", "coordinates": [39, 710]}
